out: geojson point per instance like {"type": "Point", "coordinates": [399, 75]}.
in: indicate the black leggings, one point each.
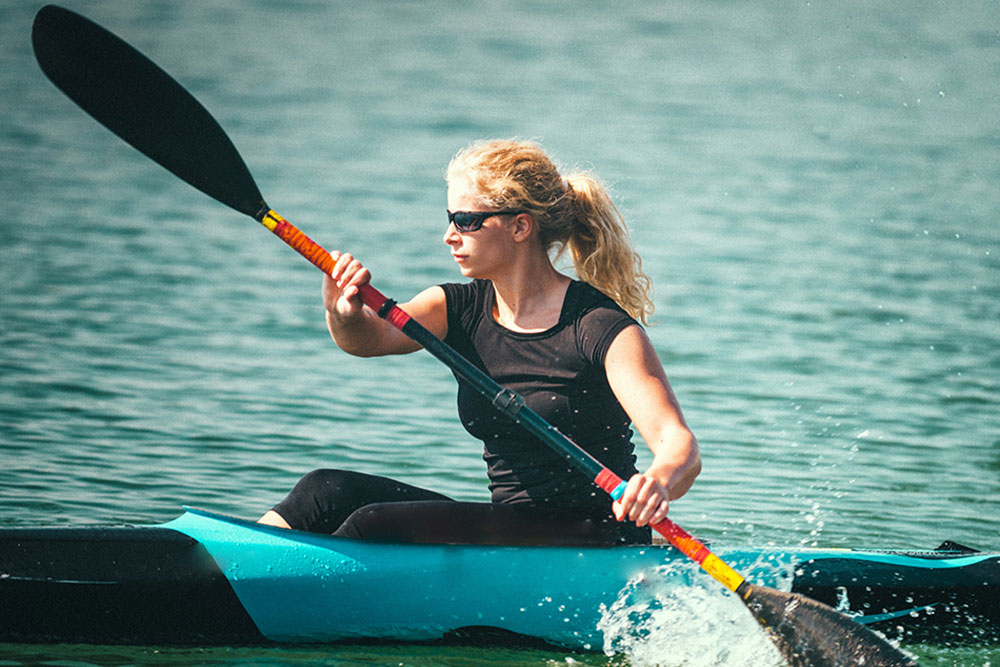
{"type": "Point", "coordinates": [356, 505]}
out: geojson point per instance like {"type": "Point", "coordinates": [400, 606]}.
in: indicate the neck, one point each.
{"type": "Point", "coordinates": [531, 299]}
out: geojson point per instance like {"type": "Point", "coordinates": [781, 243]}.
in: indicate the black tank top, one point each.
{"type": "Point", "coordinates": [560, 374]}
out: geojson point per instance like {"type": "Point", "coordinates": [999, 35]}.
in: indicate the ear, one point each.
{"type": "Point", "coordinates": [521, 227]}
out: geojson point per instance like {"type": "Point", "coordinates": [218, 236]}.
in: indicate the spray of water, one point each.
{"type": "Point", "coordinates": [661, 619]}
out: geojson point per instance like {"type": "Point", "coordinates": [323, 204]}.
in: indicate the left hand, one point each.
{"type": "Point", "coordinates": [645, 501]}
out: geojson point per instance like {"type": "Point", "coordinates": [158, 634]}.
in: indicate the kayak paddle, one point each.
{"type": "Point", "coordinates": [142, 104]}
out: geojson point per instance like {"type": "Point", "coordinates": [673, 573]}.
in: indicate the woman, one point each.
{"type": "Point", "coordinates": [573, 349]}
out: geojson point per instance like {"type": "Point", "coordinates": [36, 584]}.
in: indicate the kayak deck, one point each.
{"type": "Point", "coordinates": [208, 579]}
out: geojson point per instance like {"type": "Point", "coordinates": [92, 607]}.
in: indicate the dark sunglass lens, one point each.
{"type": "Point", "coordinates": [467, 222]}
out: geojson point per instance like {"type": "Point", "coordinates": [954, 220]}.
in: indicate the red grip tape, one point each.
{"type": "Point", "coordinates": [607, 480]}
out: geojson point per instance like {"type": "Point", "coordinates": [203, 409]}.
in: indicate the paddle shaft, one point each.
{"type": "Point", "coordinates": [504, 400]}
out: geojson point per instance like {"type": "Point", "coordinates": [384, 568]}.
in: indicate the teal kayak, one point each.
{"type": "Point", "coordinates": [210, 579]}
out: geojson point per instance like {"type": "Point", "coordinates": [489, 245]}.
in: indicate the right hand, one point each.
{"type": "Point", "coordinates": [645, 501]}
{"type": "Point", "coordinates": [341, 296]}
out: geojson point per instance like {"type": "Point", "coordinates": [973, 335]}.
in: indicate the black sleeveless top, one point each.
{"type": "Point", "coordinates": [560, 374]}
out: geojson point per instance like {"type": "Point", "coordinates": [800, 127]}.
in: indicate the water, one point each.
{"type": "Point", "coordinates": [812, 187]}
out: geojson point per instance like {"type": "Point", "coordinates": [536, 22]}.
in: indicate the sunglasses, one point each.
{"type": "Point", "coordinates": [470, 221]}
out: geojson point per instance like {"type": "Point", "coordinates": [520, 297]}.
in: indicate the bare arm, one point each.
{"type": "Point", "coordinates": [639, 382]}
{"type": "Point", "coordinates": [358, 330]}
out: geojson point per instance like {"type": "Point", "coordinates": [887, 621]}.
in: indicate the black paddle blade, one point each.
{"type": "Point", "coordinates": [131, 96]}
{"type": "Point", "coordinates": [811, 634]}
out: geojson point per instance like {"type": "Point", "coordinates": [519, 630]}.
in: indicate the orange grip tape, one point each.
{"type": "Point", "coordinates": [301, 243]}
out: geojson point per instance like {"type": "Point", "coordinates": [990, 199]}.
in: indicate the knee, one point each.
{"type": "Point", "coordinates": [321, 481]}
{"type": "Point", "coordinates": [319, 502]}
{"type": "Point", "coordinates": [381, 522]}
{"type": "Point", "coordinates": [355, 526]}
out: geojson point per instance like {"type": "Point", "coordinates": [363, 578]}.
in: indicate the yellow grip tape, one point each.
{"type": "Point", "coordinates": [270, 220]}
{"type": "Point", "coordinates": [721, 572]}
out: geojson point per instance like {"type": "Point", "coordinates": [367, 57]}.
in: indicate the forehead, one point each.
{"type": "Point", "coordinates": [462, 196]}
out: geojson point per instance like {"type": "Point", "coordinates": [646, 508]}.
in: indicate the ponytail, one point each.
{"type": "Point", "coordinates": [572, 214]}
{"type": "Point", "coordinates": [601, 249]}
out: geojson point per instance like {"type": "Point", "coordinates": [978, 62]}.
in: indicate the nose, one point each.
{"type": "Point", "coordinates": [451, 235]}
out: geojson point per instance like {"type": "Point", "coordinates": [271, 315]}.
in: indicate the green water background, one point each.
{"type": "Point", "coordinates": [813, 187]}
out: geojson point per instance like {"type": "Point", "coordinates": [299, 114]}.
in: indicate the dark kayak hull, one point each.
{"type": "Point", "coordinates": [115, 585]}
{"type": "Point", "coordinates": [206, 579]}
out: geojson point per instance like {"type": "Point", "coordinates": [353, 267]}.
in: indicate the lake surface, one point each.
{"type": "Point", "coordinates": [813, 187]}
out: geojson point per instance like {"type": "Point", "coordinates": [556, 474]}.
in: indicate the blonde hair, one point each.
{"type": "Point", "coordinates": [573, 213]}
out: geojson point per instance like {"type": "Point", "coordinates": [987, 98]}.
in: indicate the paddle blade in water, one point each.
{"type": "Point", "coordinates": [811, 634]}
{"type": "Point", "coordinates": [131, 96]}
{"type": "Point", "coordinates": [807, 632]}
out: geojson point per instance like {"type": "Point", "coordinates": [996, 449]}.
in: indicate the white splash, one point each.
{"type": "Point", "coordinates": [661, 619]}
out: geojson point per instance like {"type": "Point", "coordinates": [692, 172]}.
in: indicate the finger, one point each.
{"type": "Point", "coordinates": [335, 254]}
{"type": "Point", "coordinates": [349, 273]}
{"type": "Point", "coordinates": [342, 263]}
{"type": "Point", "coordinates": [653, 502]}
{"type": "Point", "coordinates": [627, 501]}
{"type": "Point", "coordinates": [643, 488]}
{"type": "Point", "coordinates": [360, 276]}
{"type": "Point", "coordinates": [654, 511]}
{"type": "Point", "coordinates": [659, 505]}
{"type": "Point", "coordinates": [661, 513]}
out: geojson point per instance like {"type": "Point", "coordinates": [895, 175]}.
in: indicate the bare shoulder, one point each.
{"type": "Point", "coordinates": [430, 308]}
{"type": "Point", "coordinates": [631, 351]}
